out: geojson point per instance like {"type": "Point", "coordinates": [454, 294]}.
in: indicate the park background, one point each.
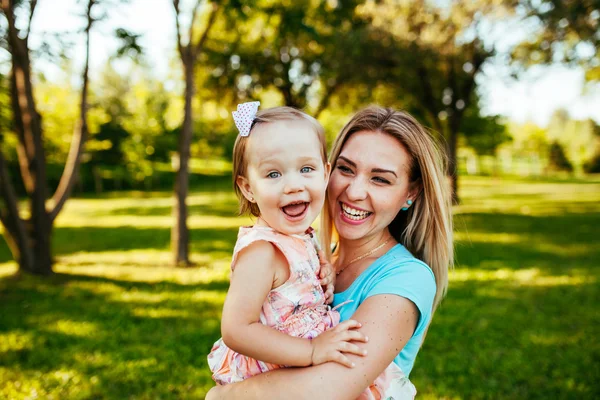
{"type": "Point", "coordinates": [113, 270]}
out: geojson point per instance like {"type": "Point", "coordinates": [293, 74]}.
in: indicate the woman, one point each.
{"type": "Point", "coordinates": [388, 210]}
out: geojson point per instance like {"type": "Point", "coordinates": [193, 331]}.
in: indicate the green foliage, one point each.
{"type": "Point", "coordinates": [593, 165]}
{"type": "Point", "coordinates": [484, 134]}
{"type": "Point", "coordinates": [116, 322]}
{"type": "Point", "coordinates": [567, 32]}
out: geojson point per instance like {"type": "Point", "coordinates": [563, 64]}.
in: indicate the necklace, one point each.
{"type": "Point", "coordinates": [368, 253]}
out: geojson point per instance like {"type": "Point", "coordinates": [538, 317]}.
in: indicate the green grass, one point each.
{"type": "Point", "coordinates": [116, 322]}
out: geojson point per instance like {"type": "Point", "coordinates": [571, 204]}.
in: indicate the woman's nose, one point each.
{"type": "Point", "coordinates": [356, 190]}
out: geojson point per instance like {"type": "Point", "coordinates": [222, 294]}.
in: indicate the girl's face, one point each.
{"type": "Point", "coordinates": [369, 185]}
{"type": "Point", "coordinates": [286, 175]}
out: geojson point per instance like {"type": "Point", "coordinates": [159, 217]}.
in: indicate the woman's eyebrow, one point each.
{"type": "Point", "coordinates": [347, 161]}
{"type": "Point", "coordinates": [378, 170]}
{"type": "Point", "coordinates": [381, 170]}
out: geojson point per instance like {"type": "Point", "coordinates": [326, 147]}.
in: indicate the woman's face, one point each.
{"type": "Point", "coordinates": [368, 184]}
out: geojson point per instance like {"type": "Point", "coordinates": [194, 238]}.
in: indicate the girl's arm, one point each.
{"type": "Point", "coordinates": [251, 281]}
{"type": "Point", "coordinates": [388, 320]}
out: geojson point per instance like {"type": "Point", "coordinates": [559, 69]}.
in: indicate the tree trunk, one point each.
{"type": "Point", "coordinates": [31, 148]}
{"type": "Point", "coordinates": [30, 240]}
{"type": "Point", "coordinates": [453, 165]}
{"type": "Point", "coordinates": [180, 231]}
{"type": "Point", "coordinates": [453, 129]}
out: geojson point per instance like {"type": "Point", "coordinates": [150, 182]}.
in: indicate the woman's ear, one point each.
{"type": "Point", "coordinates": [414, 190]}
{"type": "Point", "coordinates": [245, 187]}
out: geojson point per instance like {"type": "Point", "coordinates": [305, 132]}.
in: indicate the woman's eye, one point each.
{"type": "Point", "coordinates": [343, 168]}
{"type": "Point", "coordinates": [306, 170]}
{"type": "Point", "coordinates": [381, 180]}
{"type": "Point", "coordinates": [273, 175]}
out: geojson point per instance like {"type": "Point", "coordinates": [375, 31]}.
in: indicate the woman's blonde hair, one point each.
{"type": "Point", "coordinates": [426, 228]}
{"type": "Point", "coordinates": [240, 159]}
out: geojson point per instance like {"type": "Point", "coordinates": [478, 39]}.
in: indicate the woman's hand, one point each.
{"type": "Point", "coordinates": [332, 344]}
{"type": "Point", "coordinates": [327, 275]}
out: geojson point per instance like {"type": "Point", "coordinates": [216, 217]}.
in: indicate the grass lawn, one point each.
{"type": "Point", "coordinates": [521, 318]}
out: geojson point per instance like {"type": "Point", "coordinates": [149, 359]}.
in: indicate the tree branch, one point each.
{"type": "Point", "coordinates": [211, 20]}
{"type": "Point", "coordinates": [193, 22]}
{"type": "Point", "coordinates": [31, 11]}
{"type": "Point", "coordinates": [178, 29]}
{"type": "Point", "coordinates": [69, 175]}
{"type": "Point", "coordinates": [324, 102]}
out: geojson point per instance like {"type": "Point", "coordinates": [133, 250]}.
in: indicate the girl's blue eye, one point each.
{"type": "Point", "coordinates": [306, 170]}
{"type": "Point", "coordinates": [273, 175]}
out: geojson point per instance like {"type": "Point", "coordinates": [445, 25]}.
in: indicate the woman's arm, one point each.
{"type": "Point", "coordinates": [388, 320]}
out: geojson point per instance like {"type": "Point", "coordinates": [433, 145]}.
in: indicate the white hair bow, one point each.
{"type": "Point", "coordinates": [244, 116]}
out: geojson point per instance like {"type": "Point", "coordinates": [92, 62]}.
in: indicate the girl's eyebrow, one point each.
{"type": "Point", "coordinates": [378, 170]}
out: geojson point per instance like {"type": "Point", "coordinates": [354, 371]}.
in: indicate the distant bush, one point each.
{"type": "Point", "coordinates": [557, 159]}
{"type": "Point", "coordinates": [593, 166]}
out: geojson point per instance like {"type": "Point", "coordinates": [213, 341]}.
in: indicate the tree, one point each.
{"type": "Point", "coordinates": [189, 49]}
{"type": "Point", "coordinates": [557, 159]}
{"type": "Point", "coordinates": [567, 32]}
{"type": "Point", "coordinates": [432, 54]}
{"type": "Point", "coordinates": [29, 238]}
{"type": "Point", "coordinates": [304, 51]}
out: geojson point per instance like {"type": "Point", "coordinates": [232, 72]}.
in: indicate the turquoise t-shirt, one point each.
{"type": "Point", "coordinates": [396, 272]}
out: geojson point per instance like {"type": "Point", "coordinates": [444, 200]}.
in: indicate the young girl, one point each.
{"type": "Point", "coordinates": [275, 313]}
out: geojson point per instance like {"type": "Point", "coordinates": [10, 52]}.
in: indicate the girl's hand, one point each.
{"type": "Point", "coordinates": [327, 275]}
{"type": "Point", "coordinates": [332, 344]}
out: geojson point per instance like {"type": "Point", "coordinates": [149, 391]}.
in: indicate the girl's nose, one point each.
{"type": "Point", "coordinates": [293, 185]}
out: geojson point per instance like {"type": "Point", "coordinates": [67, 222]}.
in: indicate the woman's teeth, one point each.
{"type": "Point", "coordinates": [353, 214]}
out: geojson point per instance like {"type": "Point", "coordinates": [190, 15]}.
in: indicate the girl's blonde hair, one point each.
{"type": "Point", "coordinates": [426, 228]}
{"type": "Point", "coordinates": [240, 159]}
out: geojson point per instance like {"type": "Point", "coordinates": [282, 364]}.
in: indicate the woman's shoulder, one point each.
{"type": "Point", "coordinates": [398, 258]}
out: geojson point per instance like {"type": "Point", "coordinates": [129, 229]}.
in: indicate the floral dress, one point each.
{"type": "Point", "coordinates": [296, 308]}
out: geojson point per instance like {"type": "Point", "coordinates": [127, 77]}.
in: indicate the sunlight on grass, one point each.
{"type": "Point", "coordinates": [73, 328]}
{"type": "Point", "coordinates": [160, 313]}
{"type": "Point", "coordinates": [116, 321]}
{"type": "Point", "coordinates": [151, 275]}
{"type": "Point", "coordinates": [530, 276]}
{"type": "Point", "coordinates": [8, 269]}
{"type": "Point", "coordinates": [15, 341]}
{"type": "Point", "coordinates": [554, 339]}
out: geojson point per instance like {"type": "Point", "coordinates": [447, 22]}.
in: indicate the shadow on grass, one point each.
{"type": "Point", "coordinates": [501, 340]}
{"type": "Point", "coordinates": [111, 332]}
{"type": "Point", "coordinates": [69, 240]}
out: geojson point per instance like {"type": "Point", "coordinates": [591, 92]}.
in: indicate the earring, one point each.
{"type": "Point", "coordinates": [409, 202]}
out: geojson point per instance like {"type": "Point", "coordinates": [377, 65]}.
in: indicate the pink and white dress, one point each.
{"type": "Point", "coordinates": [296, 308]}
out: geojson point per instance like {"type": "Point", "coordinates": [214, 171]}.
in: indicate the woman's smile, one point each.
{"type": "Point", "coordinates": [353, 215]}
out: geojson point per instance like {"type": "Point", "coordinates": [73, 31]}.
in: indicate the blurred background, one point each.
{"type": "Point", "coordinates": [119, 218]}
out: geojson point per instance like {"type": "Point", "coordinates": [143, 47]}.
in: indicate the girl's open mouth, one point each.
{"type": "Point", "coordinates": [295, 211]}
